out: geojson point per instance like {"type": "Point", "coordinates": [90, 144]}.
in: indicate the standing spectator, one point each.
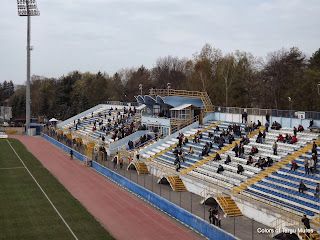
{"type": "Point", "coordinates": [71, 154]}
{"type": "Point", "coordinates": [306, 165]}
{"type": "Point", "coordinates": [268, 117]}
{"type": "Point", "coordinates": [218, 220]}
{"type": "Point", "coordinates": [311, 123]}
{"type": "Point", "coordinates": [115, 161]}
{"type": "Point", "coordinates": [275, 148]}
{"type": "Point", "coordinates": [306, 223]}
{"type": "Point", "coordinates": [267, 124]}
{"type": "Point", "coordinates": [211, 217]}
{"type": "Point", "coordinates": [121, 162]}
{"type": "Point", "coordinates": [317, 191]}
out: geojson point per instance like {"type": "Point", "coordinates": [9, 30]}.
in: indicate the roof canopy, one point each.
{"type": "Point", "coordinates": [141, 107]}
{"type": "Point", "coordinates": [180, 107]}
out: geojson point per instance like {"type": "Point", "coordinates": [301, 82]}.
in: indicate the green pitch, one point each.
{"type": "Point", "coordinates": [25, 212]}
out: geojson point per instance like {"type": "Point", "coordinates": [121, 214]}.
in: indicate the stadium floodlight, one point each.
{"type": "Point", "coordinates": [28, 8]}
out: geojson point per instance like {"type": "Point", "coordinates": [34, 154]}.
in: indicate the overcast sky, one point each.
{"type": "Point", "coordinates": [107, 35]}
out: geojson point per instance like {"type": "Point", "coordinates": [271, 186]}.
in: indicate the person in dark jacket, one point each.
{"type": "Point", "coordinates": [306, 223]}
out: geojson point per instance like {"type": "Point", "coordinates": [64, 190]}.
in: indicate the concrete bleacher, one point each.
{"type": "Point", "coordinates": [85, 127]}
{"type": "Point", "coordinates": [282, 186]}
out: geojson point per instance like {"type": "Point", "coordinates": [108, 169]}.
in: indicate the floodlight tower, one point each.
{"type": "Point", "coordinates": [28, 8]}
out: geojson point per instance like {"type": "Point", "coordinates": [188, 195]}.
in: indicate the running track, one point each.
{"type": "Point", "coordinates": [122, 215]}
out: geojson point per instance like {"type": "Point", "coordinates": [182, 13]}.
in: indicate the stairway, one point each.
{"type": "Point", "coordinates": [229, 206]}
{"type": "Point", "coordinates": [208, 107]}
{"type": "Point", "coordinates": [313, 236]}
{"type": "Point", "coordinates": [141, 168]}
{"type": "Point", "coordinates": [177, 184]}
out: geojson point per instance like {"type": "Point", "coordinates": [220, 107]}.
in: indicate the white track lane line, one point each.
{"type": "Point", "coordinates": [43, 192]}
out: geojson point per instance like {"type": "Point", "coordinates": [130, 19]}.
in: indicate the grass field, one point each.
{"type": "Point", "coordinates": [25, 212]}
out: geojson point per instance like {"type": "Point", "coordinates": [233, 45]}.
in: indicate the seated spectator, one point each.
{"type": "Point", "coordinates": [253, 151]}
{"type": "Point", "coordinates": [217, 157]}
{"type": "Point", "coordinates": [217, 129]}
{"type": "Point", "coordinates": [190, 152]}
{"type": "Point", "coordinates": [250, 160]}
{"type": "Point", "coordinates": [302, 187]}
{"type": "Point", "coordinates": [186, 140]}
{"type": "Point", "coordinates": [240, 169]}
{"type": "Point", "coordinates": [210, 135]}
{"type": "Point", "coordinates": [275, 125]}
{"type": "Point", "coordinates": [294, 166]}
{"type": "Point", "coordinates": [220, 145]}
{"type": "Point", "coordinates": [228, 160]}
{"type": "Point", "coordinates": [280, 138]}
{"type": "Point", "coordinates": [259, 123]}
{"type": "Point", "coordinates": [269, 161]}
{"type": "Point", "coordinates": [220, 169]}
{"type": "Point", "coordinates": [300, 128]}
{"type": "Point", "coordinates": [293, 140]}
{"type": "Point", "coordinates": [259, 163]}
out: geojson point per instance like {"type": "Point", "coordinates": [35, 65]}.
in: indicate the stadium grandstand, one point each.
{"type": "Point", "coordinates": [249, 162]}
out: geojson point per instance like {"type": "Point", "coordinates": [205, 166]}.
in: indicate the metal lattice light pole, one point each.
{"type": "Point", "coordinates": [28, 8]}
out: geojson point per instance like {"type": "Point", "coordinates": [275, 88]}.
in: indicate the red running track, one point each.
{"type": "Point", "coordinates": [122, 215]}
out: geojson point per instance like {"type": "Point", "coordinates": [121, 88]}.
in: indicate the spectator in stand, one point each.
{"type": "Point", "coordinates": [240, 169]}
{"type": "Point", "coordinates": [250, 160]}
{"type": "Point", "coordinates": [253, 151]}
{"type": "Point", "coordinates": [275, 148]}
{"type": "Point", "coordinates": [306, 165]}
{"type": "Point", "coordinates": [276, 125]}
{"type": "Point", "coordinates": [306, 223]}
{"type": "Point", "coordinates": [268, 117]}
{"type": "Point", "coordinates": [267, 124]}
{"type": "Point", "coordinates": [250, 125]}
{"type": "Point", "coordinates": [228, 160]}
{"type": "Point", "coordinates": [293, 140]}
{"type": "Point", "coordinates": [314, 147]}
{"type": "Point", "coordinates": [295, 131]}
{"type": "Point", "coordinates": [236, 149]}
{"type": "Point", "coordinates": [311, 123]}
{"type": "Point", "coordinates": [300, 128]}
{"type": "Point", "coordinates": [190, 152]}
{"type": "Point", "coordinates": [241, 151]}
{"type": "Point", "coordinates": [302, 187]}
{"type": "Point", "coordinates": [315, 159]}
{"type": "Point", "coordinates": [269, 161]}
{"type": "Point", "coordinates": [220, 169]}
{"type": "Point", "coordinates": [294, 165]}
{"type": "Point", "coordinates": [280, 138]}
{"type": "Point", "coordinates": [217, 157]}
{"type": "Point", "coordinates": [317, 191]}
{"type": "Point", "coordinates": [259, 123]}
{"type": "Point", "coordinates": [311, 165]}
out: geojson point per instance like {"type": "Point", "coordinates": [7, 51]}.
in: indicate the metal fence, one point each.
{"type": "Point", "coordinates": [272, 112]}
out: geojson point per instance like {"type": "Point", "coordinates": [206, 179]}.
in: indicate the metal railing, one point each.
{"type": "Point", "coordinates": [262, 112]}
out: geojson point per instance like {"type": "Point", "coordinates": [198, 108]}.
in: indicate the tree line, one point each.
{"type": "Point", "coordinates": [237, 79]}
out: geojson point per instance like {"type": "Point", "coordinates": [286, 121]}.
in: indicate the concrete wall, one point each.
{"type": "Point", "coordinates": [203, 227]}
{"type": "Point", "coordinates": [63, 147]}
{"type": "Point", "coordinates": [114, 146]}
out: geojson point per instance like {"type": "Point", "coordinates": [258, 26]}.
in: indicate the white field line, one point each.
{"type": "Point", "coordinates": [44, 192]}
{"type": "Point", "coordinates": [10, 168]}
